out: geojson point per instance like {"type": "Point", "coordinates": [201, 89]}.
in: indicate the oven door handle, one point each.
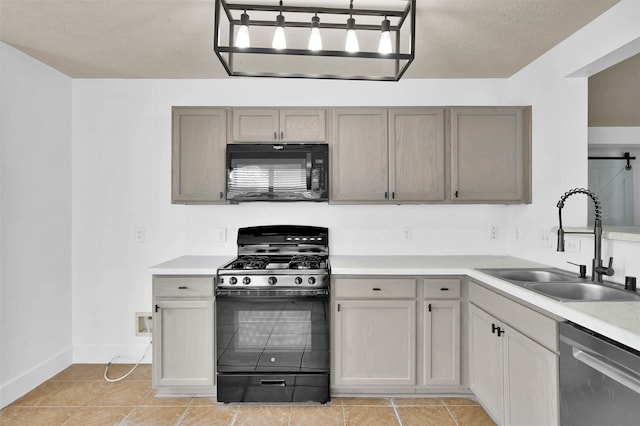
{"type": "Point", "coordinates": [601, 365]}
{"type": "Point", "coordinates": [273, 382]}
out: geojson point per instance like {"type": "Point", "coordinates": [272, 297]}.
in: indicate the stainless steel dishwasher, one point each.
{"type": "Point", "coordinates": [599, 379]}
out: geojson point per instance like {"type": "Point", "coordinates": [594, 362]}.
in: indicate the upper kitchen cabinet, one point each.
{"type": "Point", "coordinates": [490, 154]}
{"type": "Point", "coordinates": [416, 154]}
{"type": "Point", "coordinates": [360, 159]}
{"type": "Point", "coordinates": [199, 138]}
{"type": "Point", "coordinates": [388, 155]}
{"type": "Point", "coordinates": [279, 125]}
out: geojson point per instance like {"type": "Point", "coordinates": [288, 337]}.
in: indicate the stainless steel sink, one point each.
{"type": "Point", "coordinates": [562, 285]}
{"type": "Point", "coordinates": [533, 275]}
{"type": "Point", "coordinates": [582, 291]}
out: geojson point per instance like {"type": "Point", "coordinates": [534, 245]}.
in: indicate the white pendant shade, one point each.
{"type": "Point", "coordinates": [242, 38]}
{"type": "Point", "coordinates": [351, 45]}
{"type": "Point", "coordinates": [384, 47]}
{"type": "Point", "coordinates": [279, 39]}
{"type": "Point", "coordinates": [315, 41]}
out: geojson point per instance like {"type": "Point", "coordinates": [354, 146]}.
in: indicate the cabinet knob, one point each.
{"type": "Point", "coordinates": [386, 195]}
{"type": "Point", "coordinates": [281, 135]}
{"type": "Point", "coordinates": [456, 193]}
{"type": "Point", "coordinates": [221, 195]}
{"type": "Point", "coordinates": [182, 287]}
{"type": "Point", "coordinates": [275, 136]}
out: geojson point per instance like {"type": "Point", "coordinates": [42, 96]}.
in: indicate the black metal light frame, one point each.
{"type": "Point", "coordinates": [402, 60]}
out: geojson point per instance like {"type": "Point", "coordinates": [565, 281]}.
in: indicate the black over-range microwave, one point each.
{"type": "Point", "coordinates": [277, 172]}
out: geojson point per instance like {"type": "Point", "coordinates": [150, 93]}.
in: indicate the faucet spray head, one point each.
{"type": "Point", "coordinates": [560, 239]}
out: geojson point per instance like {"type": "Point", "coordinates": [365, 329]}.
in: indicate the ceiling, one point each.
{"type": "Point", "coordinates": [174, 38]}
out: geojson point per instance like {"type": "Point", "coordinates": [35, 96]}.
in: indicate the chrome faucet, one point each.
{"type": "Point", "coordinates": [597, 270]}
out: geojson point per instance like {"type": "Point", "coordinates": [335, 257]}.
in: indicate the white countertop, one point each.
{"type": "Point", "coordinates": [191, 265]}
{"type": "Point", "coordinates": [619, 321]}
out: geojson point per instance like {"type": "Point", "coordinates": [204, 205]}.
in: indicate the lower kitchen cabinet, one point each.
{"type": "Point", "coordinates": [183, 335]}
{"type": "Point", "coordinates": [374, 333]}
{"type": "Point", "coordinates": [396, 335]}
{"type": "Point", "coordinates": [375, 342]}
{"type": "Point", "coordinates": [441, 364]}
{"type": "Point", "coordinates": [514, 377]}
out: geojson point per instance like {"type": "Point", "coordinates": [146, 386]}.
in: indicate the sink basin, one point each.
{"type": "Point", "coordinates": [582, 291]}
{"type": "Point", "coordinates": [533, 275]}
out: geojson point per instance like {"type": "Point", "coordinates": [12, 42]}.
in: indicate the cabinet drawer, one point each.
{"type": "Point", "coordinates": [534, 325]}
{"type": "Point", "coordinates": [187, 286]}
{"type": "Point", "coordinates": [441, 288]}
{"type": "Point", "coordinates": [375, 288]}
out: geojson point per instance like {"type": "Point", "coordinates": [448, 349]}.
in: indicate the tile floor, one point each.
{"type": "Point", "coordinates": [80, 396]}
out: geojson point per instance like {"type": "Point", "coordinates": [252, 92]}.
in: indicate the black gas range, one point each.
{"type": "Point", "coordinates": [272, 317]}
{"type": "Point", "coordinates": [278, 257]}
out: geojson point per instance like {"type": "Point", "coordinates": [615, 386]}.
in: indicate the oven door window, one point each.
{"type": "Point", "coordinates": [272, 334]}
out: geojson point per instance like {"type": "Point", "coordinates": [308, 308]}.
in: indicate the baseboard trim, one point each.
{"type": "Point", "coordinates": [30, 379]}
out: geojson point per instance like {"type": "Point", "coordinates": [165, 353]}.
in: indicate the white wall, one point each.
{"type": "Point", "coordinates": [35, 223]}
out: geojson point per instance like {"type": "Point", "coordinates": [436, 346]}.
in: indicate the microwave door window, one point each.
{"type": "Point", "coordinates": [253, 178]}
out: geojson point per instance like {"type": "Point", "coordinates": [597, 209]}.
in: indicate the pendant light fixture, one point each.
{"type": "Point", "coordinates": [315, 41]}
{"type": "Point", "coordinates": [379, 43]}
{"type": "Point", "coordinates": [351, 45]}
{"type": "Point", "coordinates": [279, 40]}
{"type": "Point", "coordinates": [384, 47]}
{"type": "Point", "coordinates": [242, 39]}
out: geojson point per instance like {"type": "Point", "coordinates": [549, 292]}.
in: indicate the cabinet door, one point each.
{"type": "Point", "coordinates": [488, 154]}
{"type": "Point", "coordinates": [302, 125]}
{"type": "Point", "coordinates": [416, 153]}
{"type": "Point", "coordinates": [441, 342]}
{"type": "Point", "coordinates": [199, 138]}
{"type": "Point", "coordinates": [531, 384]}
{"type": "Point", "coordinates": [486, 365]}
{"type": "Point", "coordinates": [183, 353]}
{"type": "Point", "coordinates": [360, 155]}
{"type": "Point", "coordinates": [374, 342]}
{"type": "Point", "coordinates": [255, 125]}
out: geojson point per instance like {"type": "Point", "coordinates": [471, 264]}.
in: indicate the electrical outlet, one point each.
{"type": "Point", "coordinates": [572, 245]}
{"type": "Point", "coordinates": [407, 234]}
{"type": "Point", "coordinates": [220, 235]}
{"type": "Point", "coordinates": [144, 323]}
{"type": "Point", "coordinates": [545, 239]}
{"type": "Point", "coordinates": [139, 234]}
{"type": "Point", "coordinates": [493, 232]}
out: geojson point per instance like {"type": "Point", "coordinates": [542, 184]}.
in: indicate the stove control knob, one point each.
{"type": "Point", "coordinates": [246, 281]}
{"type": "Point", "coordinates": [233, 280]}
{"type": "Point", "coordinates": [312, 280]}
{"type": "Point", "coordinates": [298, 280]}
{"type": "Point", "coordinates": [272, 280]}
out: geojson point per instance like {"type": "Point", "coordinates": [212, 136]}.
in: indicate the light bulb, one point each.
{"type": "Point", "coordinates": [351, 45]}
{"type": "Point", "coordinates": [279, 39]}
{"type": "Point", "coordinates": [242, 39]}
{"type": "Point", "coordinates": [384, 46]}
{"type": "Point", "coordinates": [315, 41]}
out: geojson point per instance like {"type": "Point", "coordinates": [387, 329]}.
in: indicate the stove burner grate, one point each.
{"type": "Point", "coordinates": [250, 262]}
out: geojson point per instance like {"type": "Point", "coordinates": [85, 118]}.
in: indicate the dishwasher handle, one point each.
{"type": "Point", "coordinates": [600, 364]}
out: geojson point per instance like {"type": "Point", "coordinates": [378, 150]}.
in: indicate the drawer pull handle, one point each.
{"type": "Point", "coordinates": [182, 287]}
{"type": "Point", "coordinates": [444, 289]}
{"type": "Point", "coordinates": [376, 289]}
